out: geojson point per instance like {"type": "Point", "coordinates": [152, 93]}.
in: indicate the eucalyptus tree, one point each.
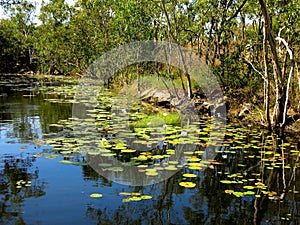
{"type": "Point", "coordinates": [281, 48]}
{"type": "Point", "coordinates": [16, 35]}
{"type": "Point", "coordinates": [52, 36]}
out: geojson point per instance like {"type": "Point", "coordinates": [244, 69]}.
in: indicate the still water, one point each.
{"type": "Point", "coordinates": [254, 178]}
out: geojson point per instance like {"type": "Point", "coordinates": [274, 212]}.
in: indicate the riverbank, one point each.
{"type": "Point", "coordinates": [243, 106]}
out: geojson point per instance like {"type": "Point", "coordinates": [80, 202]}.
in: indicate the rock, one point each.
{"type": "Point", "coordinates": [246, 107]}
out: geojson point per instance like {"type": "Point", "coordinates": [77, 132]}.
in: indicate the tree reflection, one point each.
{"type": "Point", "coordinates": [19, 180]}
{"type": "Point", "coordinates": [209, 204]}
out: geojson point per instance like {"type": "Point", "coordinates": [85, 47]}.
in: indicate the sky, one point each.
{"type": "Point", "coordinates": [2, 15]}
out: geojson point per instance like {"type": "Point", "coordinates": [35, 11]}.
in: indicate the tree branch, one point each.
{"type": "Point", "coordinates": [237, 11]}
{"type": "Point", "coordinates": [289, 78]}
{"type": "Point", "coordinates": [256, 70]}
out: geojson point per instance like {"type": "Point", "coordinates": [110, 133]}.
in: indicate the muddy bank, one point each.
{"type": "Point", "coordinates": [242, 106]}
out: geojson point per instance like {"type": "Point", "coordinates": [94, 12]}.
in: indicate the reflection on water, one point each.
{"type": "Point", "coordinates": [25, 128]}
{"type": "Point", "coordinates": [19, 181]}
{"type": "Point", "coordinates": [36, 189]}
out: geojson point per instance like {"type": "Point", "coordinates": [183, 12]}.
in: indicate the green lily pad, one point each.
{"type": "Point", "coordinates": [226, 181]}
{"type": "Point", "coordinates": [187, 184]}
{"type": "Point", "coordinates": [95, 195]}
{"type": "Point", "coordinates": [189, 175]}
{"type": "Point", "coordinates": [66, 161]}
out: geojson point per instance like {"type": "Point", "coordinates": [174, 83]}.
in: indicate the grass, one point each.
{"type": "Point", "coordinates": [157, 120]}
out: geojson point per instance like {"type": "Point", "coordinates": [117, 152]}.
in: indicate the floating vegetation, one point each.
{"type": "Point", "coordinates": [134, 197]}
{"type": "Point", "coordinates": [189, 175]}
{"type": "Point", "coordinates": [23, 147]}
{"type": "Point", "coordinates": [187, 184]}
{"type": "Point", "coordinates": [95, 195]}
{"type": "Point", "coordinates": [22, 183]}
{"type": "Point", "coordinates": [155, 143]}
{"type": "Point", "coordinates": [66, 162]}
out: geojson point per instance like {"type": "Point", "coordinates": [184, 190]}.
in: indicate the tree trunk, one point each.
{"type": "Point", "coordinates": [266, 82]}
{"type": "Point", "coordinates": [189, 86]}
{"type": "Point", "coordinates": [277, 117]}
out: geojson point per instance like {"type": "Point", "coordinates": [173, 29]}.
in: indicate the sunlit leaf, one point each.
{"type": "Point", "coordinates": [226, 181]}
{"type": "Point", "coordinates": [189, 175]}
{"type": "Point", "coordinates": [187, 184]}
{"type": "Point", "coordinates": [95, 195]}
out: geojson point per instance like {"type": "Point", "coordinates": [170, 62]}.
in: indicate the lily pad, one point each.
{"type": "Point", "coordinates": [226, 181]}
{"type": "Point", "coordinates": [65, 161]}
{"type": "Point", "coordinates": [187, 184]}
{"type": "Point", "coordinates": [189, 175]}
{"type": "Point", "coordinates": [95, 195]}
{"type": "Point", "coordinates": [146, 197]}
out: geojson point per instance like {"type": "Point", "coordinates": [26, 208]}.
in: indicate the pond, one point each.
{"type": "Point", "coordinates": [55, 170]}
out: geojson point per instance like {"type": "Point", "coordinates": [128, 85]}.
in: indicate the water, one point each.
{"type": "Point", "coordinates": [57, 193]}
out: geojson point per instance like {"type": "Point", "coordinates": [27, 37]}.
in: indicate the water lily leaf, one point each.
{"type": "Point", "coordinates": [124, 193]}
{"type": "Point", "coordinates": [188, 153]}
{"type": "Point", "coordinates": [249, 193]}
{"type": "Point", "coordinates": [187, 184]}
{"type": "Point", "coordinates": [95, 195]}
{"type": "Point", "coordinates": [189, 175]}
{"type": "Point", "coordinates": [229, 191]}
{"type": "Point", "coordinates": [158, 157]}
{"type": "Point", "coordinates": [108, 154]}
{"type": "Point", "coordinates": [65, 152]}
{"type": "Point", "coordinates": [142, 158]}
{"type": "Point", "coordinates": [238, 194]}
{"type": "Point", "coordinates": [65, 161]}
{"type": "Point", "coordinates": [128, 150]}
{"type": "Point", "coordinates": [23, 147]}
{"type": "Point", "coordinates": [53, 156]}
{"type": "Point", "coordinates": [194, 159]}
{"type": "Point", "coordinates": [56, 125]}
{"type": "Point", "coordinates": [135, 198]}
{"type": "Point", "coordinates": [171, 167]}
{"type": "Point", "coordinates": [116, 169]}
{"type": "Point", "coordinates": [226, 181]}
{"type": "Point", "coordinates": [146, 197]}
{"type": "Point", "coordinates": [170, 151]}
{"type": "Point", "coordinates": [151, 173]}
{"type": "Point", "coordinates": [126, 200]}
{"type": "Point", "coordinates": [142, 166]}
{"type": "Point", "coordinates": [248, 187]}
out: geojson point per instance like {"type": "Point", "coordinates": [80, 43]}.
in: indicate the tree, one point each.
{"type": "Point", "coordinates": [16, 37]}
{"type": "Point", "coordinates": [280, 71]}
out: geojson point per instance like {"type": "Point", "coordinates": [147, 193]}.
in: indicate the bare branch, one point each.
{"type": "Point", "coordinates": [290, 75]}
{"type": "Point", "coordinates": [237, 11]}
{"type": "Point", "coordinates": [256, 70]}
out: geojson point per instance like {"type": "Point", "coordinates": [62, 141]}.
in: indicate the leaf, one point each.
{"type": "Point", "coordinates": [189, 175]}
{"type": "Point", "coordinates": [229, 191]}
{"type": "Point", "coordinates": [248, 187]}
{"type": "Point", "coordinates": [187, 184]}
{"type": "Point", "coordinates": [146, 197]}
{"type": "Point", "coordinates": [225, 181]}
{"type": "Point", "coordinates": [95, 195]}
{"type": "Point", "coordinates": [66, 161]}
{"type": "Point", "coordinates": [238, 194]}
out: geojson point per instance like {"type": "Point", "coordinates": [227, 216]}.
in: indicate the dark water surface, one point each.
{"type": "Point", "coordinates": [254, 179]}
